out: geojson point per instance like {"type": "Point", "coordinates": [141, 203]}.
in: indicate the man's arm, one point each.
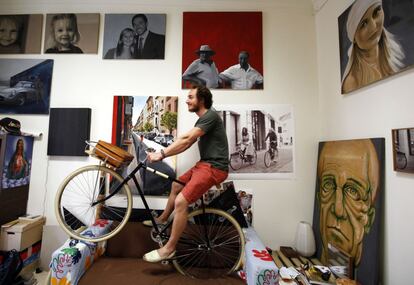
{"type": "Point", "coordinates": [192, 69]}
{"type": "Point", "coordinates": [229, 74]}
{"type": "Point", "coordinates": [181, 144]}
{"type": "Point", "coordinates": [258, 80]}
{"type": "Point", "coordinates": [192, 72]}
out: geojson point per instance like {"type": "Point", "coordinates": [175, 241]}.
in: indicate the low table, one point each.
{"type": "Point", "coordinates": [282, 260]}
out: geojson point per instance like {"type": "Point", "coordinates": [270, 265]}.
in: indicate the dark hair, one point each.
{"type": "Point", "coordinates": [245, 52]}
{"type": "Point", "coordinates": [139, 16]}
{"type": "Point", "coordinates": [244, 131]}
{"type": "Point", "coordinates": [203, 94]}
{"type": "Point", "coordinates": [120, 44]}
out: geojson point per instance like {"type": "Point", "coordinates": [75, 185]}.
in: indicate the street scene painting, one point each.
{"type": "Point", "coordinates": [25, 86]}
{"type": "Point", "coordinates": [147, 123]}
{"type": "Point", "coordinates": [403, 149]}
{"type": "Point", "coordinates": [261, 140]}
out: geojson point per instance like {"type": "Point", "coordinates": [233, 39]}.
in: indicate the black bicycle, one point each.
{"type": "Point", "coordinates": [271, 155]}
{"type": "Point", "coordinates": [211, 245]}
{"type": "Point", "coordinates": [238, 158]}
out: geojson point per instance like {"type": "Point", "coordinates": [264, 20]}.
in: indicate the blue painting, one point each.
{"type": "Point", "coordinates": [17, 161]}
{"type": "Point", "coordinates": [25, 86]}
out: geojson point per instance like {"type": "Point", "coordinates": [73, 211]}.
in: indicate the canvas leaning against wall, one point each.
{"type": "Point", "coordinates": [261, 140]}
{"type": "Point", "coordinates": [223, 50]}
{"type": "Point", "coordinates": [143, 123]}
{"type": "Point", "coordinates": [20, 33]}
{"type": "Point", "coordinates": [71, 33]}
{"type": "Point", "coordinates": [375, 41]}
{"type": "Point", "coordinates": [25, 86]}
{"type": "Point", "coordinates": [348, 204]}
{"type": "Point", "coordinates": [134, 36]}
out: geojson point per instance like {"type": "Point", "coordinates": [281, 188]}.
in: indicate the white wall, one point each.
{"type": "Point", "coordinates": [371, 112]}
{"type": "Point", "coordinates": [88, 81]}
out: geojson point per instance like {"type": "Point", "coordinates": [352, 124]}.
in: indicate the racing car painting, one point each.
{"type": "Point", "coordinates": [22, 93]}
{"type": "Point", "coordinates": [25, 86]}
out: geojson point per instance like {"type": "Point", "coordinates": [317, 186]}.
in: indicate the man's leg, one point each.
{"type": "Point", "coordinates": [178, 226]}
{"type": "Point", "coordinates": [202, 178]}
{"type": "Point", "coordinates": [175, 190]}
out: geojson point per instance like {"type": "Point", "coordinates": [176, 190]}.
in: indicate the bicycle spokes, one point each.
{"type": "Point", "coordinates": [210, 245]}
{"type": "Point", "coordinates": [77, 206]}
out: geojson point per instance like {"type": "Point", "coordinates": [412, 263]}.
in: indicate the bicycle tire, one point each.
{"type": "Point", "coordinates": [254, 158]}
{"type": "Point", "coordinates": [267, 159]}
{"type": "Point", "coordinates": [74, 198]}
{"type": "Point", "coordinates": [236, 161]}
{"type": "Point", "coordinates": [194, 259]}
{"type": "Point", "coordinates": [400, 160]}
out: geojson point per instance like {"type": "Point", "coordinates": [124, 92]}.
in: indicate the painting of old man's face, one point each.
{"type": "Point", "coordinates": [348, 187]}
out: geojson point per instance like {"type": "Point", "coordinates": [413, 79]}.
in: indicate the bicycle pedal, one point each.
{"type": "Point", "coordinates": [165, 262]}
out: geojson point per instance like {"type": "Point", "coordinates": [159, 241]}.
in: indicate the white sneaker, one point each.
{"type": "Point", "coordinates": [148, 223]}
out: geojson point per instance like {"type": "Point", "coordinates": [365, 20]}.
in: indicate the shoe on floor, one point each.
{"type": "Point", "coordinates": [154, 256]}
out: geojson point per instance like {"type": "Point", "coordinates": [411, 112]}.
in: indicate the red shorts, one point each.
{"type": "Point", "coordinates": [199, 179]}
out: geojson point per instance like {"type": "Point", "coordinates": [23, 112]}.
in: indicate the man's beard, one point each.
{"type": "Point", "coordinates": [195, 109]}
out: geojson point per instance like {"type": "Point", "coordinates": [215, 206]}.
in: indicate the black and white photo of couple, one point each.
{"type": "Point", "coordinates": [134, 36]}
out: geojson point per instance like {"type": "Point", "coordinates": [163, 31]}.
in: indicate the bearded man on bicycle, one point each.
{"type": "Point", "coordinates": [212, 169]}
{"type": "Point", "coordinates": [271, 135]}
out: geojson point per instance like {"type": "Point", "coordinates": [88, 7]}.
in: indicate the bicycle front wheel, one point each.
{"type": "Point", "coordinates": [401, 160]}
{"type": "Point", "coordinates": [267, 159]}
{"type": "Point", "coordinates": [236, 161]}
{"type": "Point", "coordinates": [211, 246]}
{"type": "Point", "coordinates": [75, 209]}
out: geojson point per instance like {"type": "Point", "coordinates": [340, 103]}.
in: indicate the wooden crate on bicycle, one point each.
{"type": "Point", "coordinates": [112, 154]}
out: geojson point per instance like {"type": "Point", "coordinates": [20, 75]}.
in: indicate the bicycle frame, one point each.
{"type": "Point", "coordinates": [160, 232]}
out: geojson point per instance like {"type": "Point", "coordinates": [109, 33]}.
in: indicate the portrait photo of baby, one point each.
{"type": "Point", "coordinates": [20, 34]}
{"type": "Point", "coordinates": [71, 33]}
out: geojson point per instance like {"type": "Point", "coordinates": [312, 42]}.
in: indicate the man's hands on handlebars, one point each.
{"type": "Point", "coordinates": [153, 156]}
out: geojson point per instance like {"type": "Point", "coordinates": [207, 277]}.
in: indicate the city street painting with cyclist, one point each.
{"type": "Point", "coordinates": [261, 140]}
{"type": "Point", "coordinates": [151, 123]}
{"type": "Point", "coordinates": [403, 149]}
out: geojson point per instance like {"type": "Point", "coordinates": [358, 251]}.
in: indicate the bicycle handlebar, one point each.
{"type": "Point", "coordinates": [157, 172]}
{"type": "Point", "coordinates": [143, 164]}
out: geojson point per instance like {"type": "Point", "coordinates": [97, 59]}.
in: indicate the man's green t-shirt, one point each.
{"type": "Point", "coordinates": [213, 145]}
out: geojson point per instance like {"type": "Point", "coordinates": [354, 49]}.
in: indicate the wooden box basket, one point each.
{"type": "Point", "coordinates": [112, 154]}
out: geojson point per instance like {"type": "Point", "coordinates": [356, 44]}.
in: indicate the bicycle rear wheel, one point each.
{"type": "Point", "coordinates": [74, 207]}
{"type": "Point", "coordinates": [267, 159]}
{"type": "Point", "coordinates": [211, 246]}
{"type": "Point", "coordinates": [236, 161]}
{"type": "Point", "coordinates": [254, 158]}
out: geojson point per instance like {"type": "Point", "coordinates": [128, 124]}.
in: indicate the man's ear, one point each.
{"type": "Point", "coordinates": [371, 217]}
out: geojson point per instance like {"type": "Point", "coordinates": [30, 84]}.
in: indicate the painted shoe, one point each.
{"type": "Point", "coordinates": [154, 256]}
